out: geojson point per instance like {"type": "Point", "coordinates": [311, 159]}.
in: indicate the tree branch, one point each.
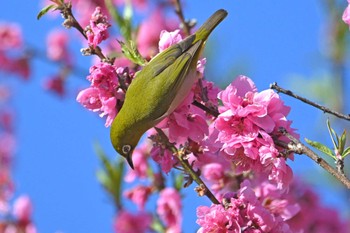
{"type": "Point", "coordinates": [70, 21]}
{"type": "Point", "coordinates": [210, 111]}
{"type": "Point", "coordinates": [299, 148]}
{"type": "Point", "coordinates": [180, 154]}
{"type": "Point", "coordinates": [179, 12]}
{"type": "Point", "coordinates": [323, 108]}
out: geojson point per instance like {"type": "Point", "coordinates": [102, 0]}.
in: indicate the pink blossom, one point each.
{"type": "Point", "coordinates": [169, 209]}
{"type": "Point", "coordinates": [214, 173]}
{"type": "Point", "coordinates": [90, 98]}
{"type": "Point", "coordinates": [346, 14]}
{"type": "Point", "coordinates": [30, 228]}
{"type": "Point", "coordinates": [167, 39]}
{"type": "Point", "coordinates": [217, 219]}
{"type": "Point", "coordinates": [201, 65]}
{"type": "Point", "coordinates": [164, 158]}
{"type": "Point", "coordinates": [96, 100]}
{"type": "Point", "coordinates": [97, 32]}
{"type": "Point", "coordinates": [6, 118]}
{"type": "Point", "coordinates": [139, 195]}
{"type": "Point", "coordinates": [22, 209]}
{"type": "Point", "coordinates": [10, 36]}
{"type": "Point", "coordinates": [104, 93]}
{"type": "Point", "coordinates": [276, 201]}
{"type": "Point", "coordinates": [103, 76]}
{"type": "Point", "coordinates": [18, 65]}
{"type": "Point", "coordinates": [149, 31]}
{"type": "Point", "coordinates": [186, 122]}
{"type": "Point", "coordinates": [55, 84]}
{"type": "Point", "coordinates": [261, 217]}
{"type": "Point", "coordinates": [57, 45]}
{"type": "Point", "coordinates": [126, 222]}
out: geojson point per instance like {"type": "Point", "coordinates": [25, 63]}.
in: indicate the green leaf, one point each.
{"type": "Point", "coordinates": [124, 23]}
{"type": "Point", "coordinates": [45, 10]}
{"type": "Point", "coordinates": [103, 178]}
{"type": "Point", "coordinates": [178, 183]}
{"type": "Point", "coordinates": [128, 12]}
{"type": "Point", "coordinates": [319, 146]}
{"type": "Point", "coordinates": [346, 152]}
{"type": "Point", "coordinates": [111, 176]}
{"type": "Point", "coordinates": [332, 133]}
{"type": "Point", "coordinates": [342, 142]}
{"type": "Point", "coordinates": [157, 225]}
{"type": "Point", "coordinates": [131, 52]}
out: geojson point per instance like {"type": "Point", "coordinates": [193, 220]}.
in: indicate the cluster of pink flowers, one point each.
{"type": "Point", "coordinates": [247, 126]}
{"type": "Point", "coordinates": [13, 58]}
{"type": "Point", "coordinates": [105, 94]}
{"type": "Point", "coordinates": [97, 31]}
{"type": "Point", "coordinates": [241, 211]}
{"type": "Point", "coordinates": [265, 208]}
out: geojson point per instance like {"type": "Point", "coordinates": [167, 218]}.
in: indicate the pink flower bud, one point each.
{"type": "Point", "coordinates": [22, 209]}
{"type": "Point", "coordinates": [97, 32]}
{"type": "Point", "coordinates": [10, 36]}
{"type": "Point", "coordinates": [126, 222]}
{"type": "Point", "coordinates": [57, 45]}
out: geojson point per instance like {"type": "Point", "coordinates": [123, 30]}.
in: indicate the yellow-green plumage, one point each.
{"type": "Point", "coordinates": [159, 88]}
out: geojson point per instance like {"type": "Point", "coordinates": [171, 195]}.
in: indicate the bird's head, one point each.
{"type": "Point", "coordinates": [125, 138]}
{"type": "Point", "coordinates": [126, 151]}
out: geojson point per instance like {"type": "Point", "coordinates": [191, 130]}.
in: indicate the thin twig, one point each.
{"type": "Point", "coordinates": [179, 12]}
{"type": "Point", "coordinates": [298, 147]}
{"type": "Point", "coordinates": [188, 168]}
{"type": "Point", "coordinates": [71, 21]}
{"type": "Point", "coordinates": [323, 108]}
{"type": "Point", "coordinates": [211, 111]}
{"type": "Point", "coordinates": [40, 55]}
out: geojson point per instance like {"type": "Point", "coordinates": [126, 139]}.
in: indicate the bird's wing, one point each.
{"type": "Point", "coordinates": [163, 86]}
{"type": "Point", "coordinates": [166, 58]}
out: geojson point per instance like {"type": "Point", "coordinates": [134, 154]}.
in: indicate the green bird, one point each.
{"type": "Point", "coordinates": [159, 88]}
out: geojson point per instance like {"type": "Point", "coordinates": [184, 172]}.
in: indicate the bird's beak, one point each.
{"type": "Point", "coordinates": [129, 160]}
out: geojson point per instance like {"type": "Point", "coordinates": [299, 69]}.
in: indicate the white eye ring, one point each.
{"type": "Point", "coordinates": [126, 149]}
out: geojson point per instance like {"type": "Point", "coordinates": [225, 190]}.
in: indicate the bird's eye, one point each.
{"type": "Point", "coordinates": [126, 149]}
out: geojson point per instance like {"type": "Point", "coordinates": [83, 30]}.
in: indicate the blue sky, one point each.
{"type": "Point", "coordinates": [55, 162]}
